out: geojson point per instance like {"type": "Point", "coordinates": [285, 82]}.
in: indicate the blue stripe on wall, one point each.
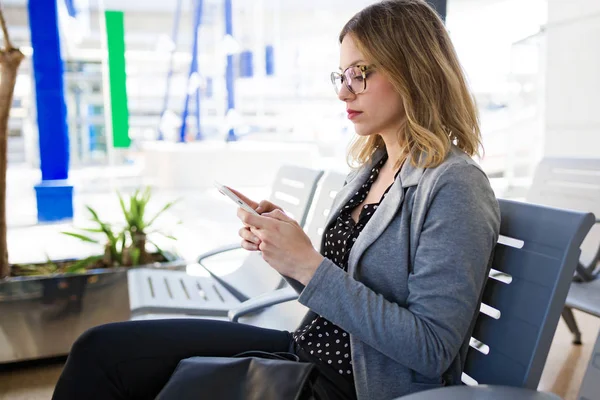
{"type": "Point", "coordinates": [50, 101]}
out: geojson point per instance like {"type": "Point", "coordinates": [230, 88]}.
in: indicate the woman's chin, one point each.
{"type": "Point", "coordinates": [363, 131]}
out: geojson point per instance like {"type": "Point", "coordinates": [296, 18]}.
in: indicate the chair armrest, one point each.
{"type": "Point", "coordinates": [232, 289]}
{"type": "Point", "coordinates": [218, 250]}
{"type": "Point", "coordinates": [261, 302]}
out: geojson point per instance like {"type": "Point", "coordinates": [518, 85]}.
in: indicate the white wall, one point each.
{"type": "Point", "coordinates": [572, 121]}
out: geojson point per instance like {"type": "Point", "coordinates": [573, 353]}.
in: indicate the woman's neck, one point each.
{"type": "Point", "coordinates": [395, 152]}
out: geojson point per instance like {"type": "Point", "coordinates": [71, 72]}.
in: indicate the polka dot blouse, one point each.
{"type": "Point", "coordinates": [325, 342]}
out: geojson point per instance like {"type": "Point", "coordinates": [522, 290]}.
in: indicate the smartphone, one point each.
{"type": "Point", "coordinates": [225, 191]}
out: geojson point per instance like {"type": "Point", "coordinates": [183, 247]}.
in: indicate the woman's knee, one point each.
{"type": "Point", "coordinates": [95, 343]}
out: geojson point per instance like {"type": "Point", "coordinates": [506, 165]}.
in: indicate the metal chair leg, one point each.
{"type": "Point", "coordinates": [569, 318]}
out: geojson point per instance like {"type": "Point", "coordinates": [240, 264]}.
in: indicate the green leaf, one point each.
{"type": "Point", "coordinates": [143, 202]}
{"type": "Point", "coordinates": [82, 264]}
{"type": "Point", "coordinates": [94, 214]}
{"type": "Point", "coordinates": [93, 230]}
{"type": "Point", "coordinates": [123, 239]}
{"type": "Point", "coordinates": [158, 249]}
{"type": "Point", "coordinates": [165, 208]}
{"type": "Point", "coordinates": [133, 212]}
{"type": "Point", "coordinates": [166, 235]}
{"type": "Point", "coordinates": [126, 213]}
{"type": "Point", "coordinates": [81, 237]}
{"type": "Point", "coordinates": [147, 194]}
{"type": "Point", "coordinates": [105, 227]}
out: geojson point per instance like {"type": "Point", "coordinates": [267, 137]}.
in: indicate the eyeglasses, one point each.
{"type": "Point", "coordinates": [354, 77]}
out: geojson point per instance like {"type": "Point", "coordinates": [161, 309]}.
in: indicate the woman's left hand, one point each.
{"type": "Point", "coordinates": [283, 244]}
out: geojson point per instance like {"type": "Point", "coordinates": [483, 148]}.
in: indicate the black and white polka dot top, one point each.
{"type": "Point", "coordinates": [321, 340]}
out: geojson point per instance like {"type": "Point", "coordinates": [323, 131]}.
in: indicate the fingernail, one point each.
{"type": "Point", "coordinates": [255, 239]}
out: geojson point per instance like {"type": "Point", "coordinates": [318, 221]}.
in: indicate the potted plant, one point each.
{"type": "Point", "coordinates": [46, 306]}
{"type": "Point", "coordinates": [123, 245]}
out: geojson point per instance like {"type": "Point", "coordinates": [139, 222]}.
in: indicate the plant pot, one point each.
{"type": "Point", "coordinates": [41, 316]}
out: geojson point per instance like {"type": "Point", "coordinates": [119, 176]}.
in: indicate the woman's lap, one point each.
{"type": "Point", "coordinates": [131, 360]}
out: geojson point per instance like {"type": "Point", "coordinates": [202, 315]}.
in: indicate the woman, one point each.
{"type": "Point", "coordinates": [395, 289]}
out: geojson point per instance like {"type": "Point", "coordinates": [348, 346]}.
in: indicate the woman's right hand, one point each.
{"type": "Point", "coordinates": [249, 240]}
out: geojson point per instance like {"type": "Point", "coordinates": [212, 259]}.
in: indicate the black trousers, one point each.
{"type": "Point", "coordinates": [135, 359]}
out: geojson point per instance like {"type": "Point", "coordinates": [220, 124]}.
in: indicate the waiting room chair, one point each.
{"type": "Point", "coordinates": [533, 263]}
{"type": "Point", "coordinates": [162, 292]}
{"type": "Point", "coordinates": [574, 184]}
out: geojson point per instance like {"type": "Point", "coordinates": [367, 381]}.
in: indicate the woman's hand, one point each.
{"type": "Point", "coordinates": [283, 244]}
{"type": "Point", "coordinates": [249, 240]}
{"type": "Point", "coordinates": [264, 206]}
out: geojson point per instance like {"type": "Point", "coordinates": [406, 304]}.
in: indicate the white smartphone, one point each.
{"type": "Point", "coordinates": [241, 203]}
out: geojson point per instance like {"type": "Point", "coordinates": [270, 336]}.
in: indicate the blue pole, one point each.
{"type": "Point", "coordinates": [229, 77]}
{"type": "Point", "coordinates": [161, 134]}
{"type": "Point", "coordinates": [54, 194]}
{"type": "Point", "coordinates": [193, 67]}
{"type": "Point", "coordinates": [71, 9]}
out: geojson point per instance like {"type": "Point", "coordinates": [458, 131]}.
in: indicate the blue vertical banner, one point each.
{"type": "Point", "coordinates": [270, 60]}
{"type": "Point", "coordinates": [246, 64]}
{"type": "Point", "coordinates": [198, 4]}
{"type": "Point", "coordinates": [54, 194]}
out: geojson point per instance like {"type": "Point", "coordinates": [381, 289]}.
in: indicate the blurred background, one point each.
{"type": "Point", "coordinates": [231, 90]}
{"type": "Point", "coordinates": [282, 54]}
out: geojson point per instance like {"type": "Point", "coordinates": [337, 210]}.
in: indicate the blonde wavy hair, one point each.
{"type": "Point", "coordinates": [409, 44]}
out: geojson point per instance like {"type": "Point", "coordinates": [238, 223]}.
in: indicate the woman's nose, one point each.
{"type": "Point", "coordinates": [345, 94]}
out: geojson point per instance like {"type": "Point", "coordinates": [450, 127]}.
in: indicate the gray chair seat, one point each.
{"type": "Point", "coordinates": [154, 291]}
{"type": "Point", "coordinates": [585, 296]}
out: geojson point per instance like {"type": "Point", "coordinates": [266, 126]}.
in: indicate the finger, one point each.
{"type": "Point", "coordinates": [256, 221]}
{"type": "Point", "coordinates": [278, 215]}
{"type": "Point", "coordinates": [258, 233]}
{"type": "Point", "coordinates": [248, 201]}
{"type": "Point", "coordinates": [248, 236]}
{"type": "Point", "coordinates": [249, 246]}
{"type": "Point", "coordinates": [266, 206]}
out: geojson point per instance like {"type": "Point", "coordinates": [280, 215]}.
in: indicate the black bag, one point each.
{"type": "Point", "coordinates": [252, 375]}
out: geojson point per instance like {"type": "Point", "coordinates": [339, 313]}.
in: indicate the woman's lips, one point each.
{"type": "Point", "coordinates": [353, 114]}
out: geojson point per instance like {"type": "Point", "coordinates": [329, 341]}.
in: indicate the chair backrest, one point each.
{"type": "Point", "coordinates": [533, 263]}
{"type": "Point", "coordinates": [328, 188]}
{"type": "Point", "coordinates": [570, 183]}
{"type": "Point", "coordinates": [293, 190]}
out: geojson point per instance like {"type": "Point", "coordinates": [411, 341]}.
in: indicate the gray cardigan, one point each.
{"type": "Point", "coordinates": [415, 277]}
